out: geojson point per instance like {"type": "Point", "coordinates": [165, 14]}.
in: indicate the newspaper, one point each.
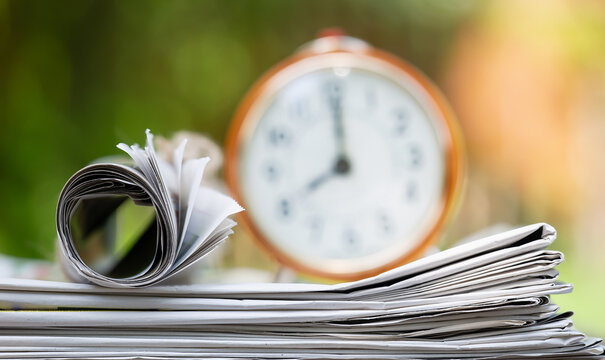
{"type": "Point", "coordinates": [136, 223]}
{"type": "Point", "coordinates": [485, 299]}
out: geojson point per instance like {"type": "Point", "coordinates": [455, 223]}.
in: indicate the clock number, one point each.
{"type": "Point", "coordinates": [402, 121]}
{"type": "Point", "coordinates": [415, 157]}
{"type": "Point", "coordinates": [271, 171]}
{"type": "Point", "coordinates": [351, 238]}
{"type": "Point", "coordinates": [315, 229]}
{"type": "Point", "coordinates": [411, 191]}
{"type": "Point", "coordinates": [279, 137]}
{"type": "Point", "coordinates": [284, 208]}
{"type": "Point", "coordinates": [334, 93]}
{"type": "Point", "coordinates": [333, 90]}
{"type": "Point", "coordinates": [299, 109]}
{"type": "Point", "coordinates": [385, 225]}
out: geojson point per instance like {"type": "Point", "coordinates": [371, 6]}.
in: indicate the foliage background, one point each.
{"type": "Point", "coordinates": [527, 80]}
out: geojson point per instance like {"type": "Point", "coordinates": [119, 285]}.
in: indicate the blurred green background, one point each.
{"type": "Point", "coordinates": [527, 80]}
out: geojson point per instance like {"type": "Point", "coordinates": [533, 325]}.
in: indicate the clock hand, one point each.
{"type": "Point", "coordinates": [335, 100]}
{"type": "Point", "coordinates": [315, 183]}
{"type": "Point", "coordinates": [342, 164]}
{"type": "Point", "coordinates": [341, 167]}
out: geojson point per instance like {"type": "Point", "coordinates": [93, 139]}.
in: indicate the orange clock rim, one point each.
{"type": "Point", "coordinates": [450, 139]}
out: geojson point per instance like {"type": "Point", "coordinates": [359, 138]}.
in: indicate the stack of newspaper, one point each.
{"type": "Point", "coordinates": [488, 298]}
{"type": "Point", "coordinates": [485, 299]}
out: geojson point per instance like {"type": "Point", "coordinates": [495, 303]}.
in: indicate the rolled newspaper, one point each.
{"type": "Point", "coordinates": [136, 223]}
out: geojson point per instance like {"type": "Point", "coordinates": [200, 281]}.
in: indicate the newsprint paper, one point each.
{"type": "Point", "coordinates": [484, 299]}
{"type": "Point", "coordinates": [188, 220]}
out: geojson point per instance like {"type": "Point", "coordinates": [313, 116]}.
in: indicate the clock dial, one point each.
{"type": "Point", "coordinates": [343, 163]}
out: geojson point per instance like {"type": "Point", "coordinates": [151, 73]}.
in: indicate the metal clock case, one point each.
{"type": "Point", "coordinates": [346, 159]}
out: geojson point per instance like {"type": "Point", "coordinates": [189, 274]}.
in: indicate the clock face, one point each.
{"type": "Point", "coordinates": [343, 168]}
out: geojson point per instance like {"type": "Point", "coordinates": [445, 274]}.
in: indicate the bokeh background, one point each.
{"type": "Point", "coordinates": [526, 79]}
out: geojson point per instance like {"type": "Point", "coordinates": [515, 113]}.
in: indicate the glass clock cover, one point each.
{"type": "Point", "coordinates": [343, 167]}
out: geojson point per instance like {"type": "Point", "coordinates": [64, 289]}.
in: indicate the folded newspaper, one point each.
{"type": "Point", "coordinates": [487, 299]}
{"type": "Point", "coordinates": [170, 222]}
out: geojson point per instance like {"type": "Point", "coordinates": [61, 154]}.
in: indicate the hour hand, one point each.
{"type": "Point", "coordinates": [321, 179]}
{"type": "Point", "coordinates": [315, 183]}
{"type": "Point", "coordinates": [341, 167]}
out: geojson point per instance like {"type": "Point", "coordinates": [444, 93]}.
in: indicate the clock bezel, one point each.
{"type": "Point", "coordinates": [345, 52]}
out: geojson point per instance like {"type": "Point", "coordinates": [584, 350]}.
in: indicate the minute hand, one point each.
{"type": "Point", "coordinates": [342, 165]}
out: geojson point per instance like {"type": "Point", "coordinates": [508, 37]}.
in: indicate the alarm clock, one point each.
{"type": "Point", "coordinates": [346, 158]}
